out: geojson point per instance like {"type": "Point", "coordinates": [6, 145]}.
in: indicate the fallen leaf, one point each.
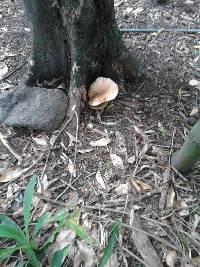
{"type": "Point", "coordinates": [84, 151]}
{"type": "Point", "coordinates": [10, 174]}
{"type": "Point", "coordinates": [131, 159]}
{"type": "Point", "coordinates": [72, 139]}
{"type": "Point", "coordinates": [101, 142]}
{"type": "Point", "coordinates": [117, 161]}
{"type": "Point", "coordinates": [71, 168]}
{"type": "Point", "coordinates": [138, 11]}
{"type": "Point", "coordinates": [3, 69]}
{"type": "Point", "coordinates": [112, 261]}
{"type": "Point", "coordinates": [46, 207]}
{"type": "Point", "coordinates": [85, 254]}
{"type": "Point", "coordinates": [194, 111]}
{"type": "Point", "coordinates": [171, 258]}
{"type": "Point", "coordinates": [41, 140]}
{"type": "Point", "coordinates": [194, 82]}
{"type": "Point", "coordinates": [122, 189]}
{"type": "Point", "coordinates": [4, 86]}
{"type": "Point", "coordinates": [140, 186]}
{"type": "Point", "coordinates": [100, 180]}
{"type": "Point", "coordinates": [129, 10]}
{"type": "Point", "coordinates": [181, 204]}
{"type": "Point", "coordinates": [170, 198]}
{"type": "Point", "coordinates": [196, 261]}
{"type": "Point", "coordinates": [63, 239]}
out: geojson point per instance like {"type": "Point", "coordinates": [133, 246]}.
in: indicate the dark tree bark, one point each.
{"type": "Point", "coordinates": [77, 40]}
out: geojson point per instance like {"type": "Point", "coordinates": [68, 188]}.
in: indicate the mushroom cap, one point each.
{"type": "Point", "coordinates": [102, 90]}
{"type": "Point", "coordinates": [100, 106]}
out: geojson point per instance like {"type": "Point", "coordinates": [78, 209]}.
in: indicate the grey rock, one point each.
{"type": "Point", "coordinates": [33, 107]}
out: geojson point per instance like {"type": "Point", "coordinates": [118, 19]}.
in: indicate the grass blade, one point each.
{"type": "Point", "coordinates": [112, 240]}
{"type": "Point", "coordinates": [28, 195]}
{"type": "Point", "coordinates": [42, 220]}
{"type": "Point", "coordinates": [59, 256]}
{"type": "Point", "coordinates": [6, 252]}
{"type": "Point", "coordinates": [78, 229]}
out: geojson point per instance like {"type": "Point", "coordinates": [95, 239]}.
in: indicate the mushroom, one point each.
{"type": "Point", "coordinates": [101, 91]}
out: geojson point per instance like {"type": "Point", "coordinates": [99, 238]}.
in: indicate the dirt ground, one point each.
{"type": "Point", "coordinates": [142, 127]}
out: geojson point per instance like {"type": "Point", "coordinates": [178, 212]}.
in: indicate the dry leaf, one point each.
{"type": "Point", "coordinates": [140, 186]}
{"type": "Point", "coordinates": [84, 151]}
{"type": "Point", "coordinates": [194, 111]}
{"type": "Point", "coordinates": [138, 11]}
{"type": "Point", "coordinates": [101, 142]}
{"type": "Point", "coordinates": [4, 86]}
{"type": "Point", "coordinates": [63, 239]}
{"type": "Point", "coordinates": [112, 261]}
{"type": "Point", "coordinates": [71, 168]}
{"type": "Point", "coordinates": [41, 140]}
{"type": "Point", "coordinates": [122, 189]}
{"type": "Point", "coordinates": [72, 139]}
{"type": "Point", "coordinates": [180, 203]}
{"type": "Point", "coordinates": [100, 180]}
{"type": "Point", "coordinates": [3, 69]}
{"type": "Point", "coordinates": [117, 161]}
{"type": "Point", "coordinates": [170, 198]}
{"type": "Point", "coordinates": [129, 10]}
{"type": "Point", "coordinates": [194, 82]}
{"type": "Point", "coordinates": [85, 254]}
{"type": "Point", "coordinates": [131, 159]}
{"type": "Point", "coordinates": [42, 210]}
{"type": "Point", "coordinates": [10, 174]}
{"type": "Point", "coordinates": [171, 258]}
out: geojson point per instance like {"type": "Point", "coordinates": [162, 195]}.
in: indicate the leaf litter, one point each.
{"type": "Point", "coordinates": [129, 144]}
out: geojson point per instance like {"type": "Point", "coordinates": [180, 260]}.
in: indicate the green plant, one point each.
{"type": "Point", "coordinates": [25, 239]}
{"type": "Point", "coordinates": [112, 240]}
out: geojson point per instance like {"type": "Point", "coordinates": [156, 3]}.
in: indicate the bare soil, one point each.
{"type": "Point", "coordinates": [152, 120]}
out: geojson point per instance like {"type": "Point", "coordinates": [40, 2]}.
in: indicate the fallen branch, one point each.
{"type": "Point", "coordinates": [144, 245]}
{"type": "Point", "coordinates": [11, 150]}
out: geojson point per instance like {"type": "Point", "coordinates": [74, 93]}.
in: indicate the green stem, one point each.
{"type": "Point", "coordinates": [189, 154]}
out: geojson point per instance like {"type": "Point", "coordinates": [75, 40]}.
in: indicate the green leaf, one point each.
{"type": "Point", "coordinates": [42, 220]}
{"type": "Point", "coordinates": [10, 232]}
{"type": "Point", "coordinates": [4, 220]}
{"type": "Point", "coordinates": [78, 229]}
{"type": "Point", "coordinates": [53, 233]}
{"type": "Point", "coordinates": [112, 240]}
{"type": "Point", "coordinates": [28, 196]}
{"type": "Point", "coordinates": [59, 256]}
{"type": "Point", "coordinates": [6, 252]}
{"type": "Point", "coordinates": [20, 264]}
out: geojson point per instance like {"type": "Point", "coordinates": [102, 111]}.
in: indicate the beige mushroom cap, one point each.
{"type": "Point", "coordinates": [102, 90]}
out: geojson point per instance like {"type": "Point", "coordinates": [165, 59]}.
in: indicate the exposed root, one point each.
{"type": "Point", "coordinates": [77, 98]}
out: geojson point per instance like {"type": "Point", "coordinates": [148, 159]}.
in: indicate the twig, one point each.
{"type": "Point", "coordinates": [144, 245]}
{"type": "Point", "coordinates": [165, 188]}
{"type": "Point", "coordinates": [134, 256]}
{"type": "Point", "coordinates": [53, 143]}
{"type": "Point", "coordinates": [146, 195]}
{"type": "Point", "coordinates": [11, 150]}
{"type": "Point", "coordinates": [13, 71]}
{"type": "Point", "coordinates": [106, 210]}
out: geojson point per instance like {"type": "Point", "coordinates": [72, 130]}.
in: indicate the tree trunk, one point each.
{"type": "Point", "coordinates": [77, 40]}
{"type": "Point", "coordinates": [189, 154]}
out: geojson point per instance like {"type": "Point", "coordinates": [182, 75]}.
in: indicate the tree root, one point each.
{"type": "Point", "coordinates": [77, 98]}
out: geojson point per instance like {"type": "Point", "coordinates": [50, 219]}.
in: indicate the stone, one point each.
{"type": "Point", "coordinates": [33, 107]}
